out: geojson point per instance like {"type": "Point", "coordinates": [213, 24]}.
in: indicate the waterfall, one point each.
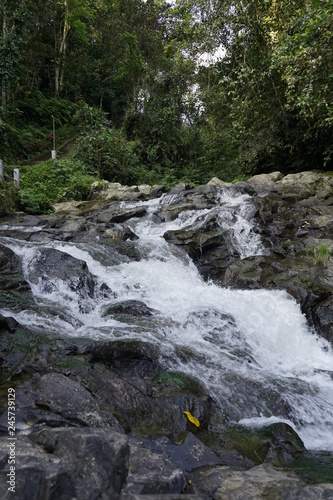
{"type": "Point", "coordinates": [235, 340]}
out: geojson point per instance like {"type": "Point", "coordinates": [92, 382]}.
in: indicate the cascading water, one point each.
{"type": "Point", "coordinates": [240, 343]}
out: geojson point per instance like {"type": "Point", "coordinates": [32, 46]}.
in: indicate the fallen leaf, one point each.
{"type": "Point", "coordinates": [192, 419]}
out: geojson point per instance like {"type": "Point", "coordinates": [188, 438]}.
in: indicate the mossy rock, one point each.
{"type": "Point", "coordinates": [246, 442]}
{"type": "Point", "coordinates": [314, 466]}
{"type": "Point", "coordinates": [181, 382]}
{"type": "Point", "coordinates": [277, 443]}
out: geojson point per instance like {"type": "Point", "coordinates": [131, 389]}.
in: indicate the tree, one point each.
{"type": "Point", "coordinates": [69, 15]}
{"type": "Point", "coordinates": [15, 22]}
{"type": "Point", "coordinates": [304, 56]}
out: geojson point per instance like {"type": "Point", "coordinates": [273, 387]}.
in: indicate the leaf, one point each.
{"type": "Point", "coordinates": [192, 419]}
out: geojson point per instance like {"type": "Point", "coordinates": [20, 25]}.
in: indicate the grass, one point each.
{"type": "Point", "coordinates": [320, 254]}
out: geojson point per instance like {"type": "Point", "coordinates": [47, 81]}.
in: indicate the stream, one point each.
{"type": "Point", "coordinates": [252, 349]}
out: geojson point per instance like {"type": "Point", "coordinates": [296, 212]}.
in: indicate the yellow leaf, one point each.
{"type": "Point", "coordinates": [192, 419]}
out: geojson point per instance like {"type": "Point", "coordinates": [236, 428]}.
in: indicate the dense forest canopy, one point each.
{"type": "Point", "coordinates": [169, 91]}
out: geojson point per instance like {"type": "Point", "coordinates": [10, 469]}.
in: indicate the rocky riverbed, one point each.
{"type": "Point", "coordinates": [108, 417]}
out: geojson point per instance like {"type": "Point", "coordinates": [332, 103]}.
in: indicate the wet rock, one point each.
{"type": "Point", "coordinates": [179, 188]}
{"type": "Point", "coordinates": [68, 463]}
{"type": "Point", "coordinates": [262, 481]}
{"type": "Point", "coordinates": [129, 307]}
{"type": "Point", "coordinates": [277, 443]}
{"type": "Point", "coordinates": [121, 232]}
{"type": "Point", "coordinates": [14, 289]}
{"type": "Point", "coordinates": [9, 262]}
{"type": "Point", "coordinates": [74, 224]}
{"type": "Point", "coordinates": [8, 323]}
{"type": "Point", "coordinates": [57, 400]}
{"type": "Point", "coordinates": [162, 496]}
{"type": "Point", "coordinates": [106, 352]}
{"type": "Point", "coordinates": [115, 214]}
{"type": "Point", "coordinates": [142, 405]}
{"type": "Point", "coordinates": [157, 191]}
{"type": "Point", "coordinates": [189, 455]}
{"type": "Point", "coordinates": [319, 309]}
{"type": "Point", "coordinates": [178, 201]}
{"type": "Point", "coordinates": [241, 396]}
{"type": "Point", "coordinates": [132, 357]}
{"type": "Point", "coordinates": [50, 265]}
{"type": "Point", "coordinates": [152, 474]}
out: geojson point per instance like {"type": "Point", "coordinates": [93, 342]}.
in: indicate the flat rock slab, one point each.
{"type": "Point", "coordinates": [189, 455]}
{"type": "Point", "coordinates": [259, 482]}
{"type": "Point", "coordinates": [151, 472]}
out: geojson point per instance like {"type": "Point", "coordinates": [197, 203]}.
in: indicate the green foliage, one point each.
{"type": "Point", "coordinates": [104, 149]}
{"type": "Point", "coordinates": [8, 196]}
{"type": "Point", "coordinates": [304, 57]}
{"type": "Point", "coordinates": [151, 112]}
{"type": "Point", "coordinates": [36, 107]}
{"type": "Point", "coordinates": [11, 140]}
{"type": "Point", "coordinates": [14, 21]}
{"type": "Point", "coordinates": [53, 181]}
{"type": "Point", "coordinates": [34, 200]}
{"type": "Point", "coordinates": [320, 254]}
{"type": "Point", "coordinates": [26, 129]}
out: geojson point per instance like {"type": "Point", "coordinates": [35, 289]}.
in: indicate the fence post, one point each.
{"type": "Point", "coordinates": [16, 177]}
{"type": "Point", "coordinates": [1, 170]}
{"type": "Point", "coordinates": [53, 152]}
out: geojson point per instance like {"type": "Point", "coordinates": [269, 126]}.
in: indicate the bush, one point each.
{"type": "Point", "coordinates": [34, 202]}
{"type": "Point", "coordinates": [105, 149]}
{"type": "Point", "coordinates": [53, 181]}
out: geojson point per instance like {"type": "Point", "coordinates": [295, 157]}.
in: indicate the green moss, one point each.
{"type": "Point", "coordinates": [246, 442]}
{"type": "Point", "coordinates": [147, 431]}
{"type": "Point", "coordinates": [73, 362]}
{"type": "Point", "coordinates": [277, 443]}
{"type": "Point", "coordinates": [210, 439]}
{"type": "Point", "coordinates": [172, 379]}
{"type": "Point", "coordinates": [178, 380]}
{"type": "Point", "coordinates": [315, 467]}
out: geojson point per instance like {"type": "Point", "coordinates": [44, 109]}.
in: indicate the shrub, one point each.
{"type": "Point", "coordinates": [53, 181]}
{"type": "Point", "coordinates": [34, 202]}
{"type": "Point", "coordinates": [105, 149]}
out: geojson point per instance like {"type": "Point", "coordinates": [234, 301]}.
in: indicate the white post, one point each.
{"type": "Point", "coordinates": [16, 177]}
{"type": "Point", "coordinates": [1, 170]}
{"type": "Point", "coordinates": [53, 152]}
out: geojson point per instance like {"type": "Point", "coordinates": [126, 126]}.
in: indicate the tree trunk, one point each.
{"type": "Point", "coordinates": [61, 46]}
{"type": "Point", "coordinates": [4, 79]}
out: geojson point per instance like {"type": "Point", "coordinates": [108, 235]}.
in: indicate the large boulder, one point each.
{"type": "Point", "coordinates": [58, 463]}
{"type": "Point", "coordinates": [262, 481]}
{"type": "Point", "coordinates": [50, 265]}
